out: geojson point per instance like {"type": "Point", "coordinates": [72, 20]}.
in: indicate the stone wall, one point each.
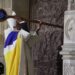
{"type": "Point", "coordinates": [47, 60]}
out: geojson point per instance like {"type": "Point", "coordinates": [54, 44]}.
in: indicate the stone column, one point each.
{"type": "Point", "coordinates": [68, 48]}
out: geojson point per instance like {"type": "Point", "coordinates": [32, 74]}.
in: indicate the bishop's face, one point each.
{"type": "Point", "coordinates": [11, 22]}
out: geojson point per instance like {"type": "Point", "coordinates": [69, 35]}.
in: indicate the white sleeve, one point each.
{"type": "Point", "coordinates": [24, 34]}
{"type": "Point", "coordinates": [34, 38]}
{"type": "Point", "coordinates": [29, 38]}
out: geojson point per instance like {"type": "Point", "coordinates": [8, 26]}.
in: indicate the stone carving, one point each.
{"type": "Point", "coordinates": [70, 29]}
